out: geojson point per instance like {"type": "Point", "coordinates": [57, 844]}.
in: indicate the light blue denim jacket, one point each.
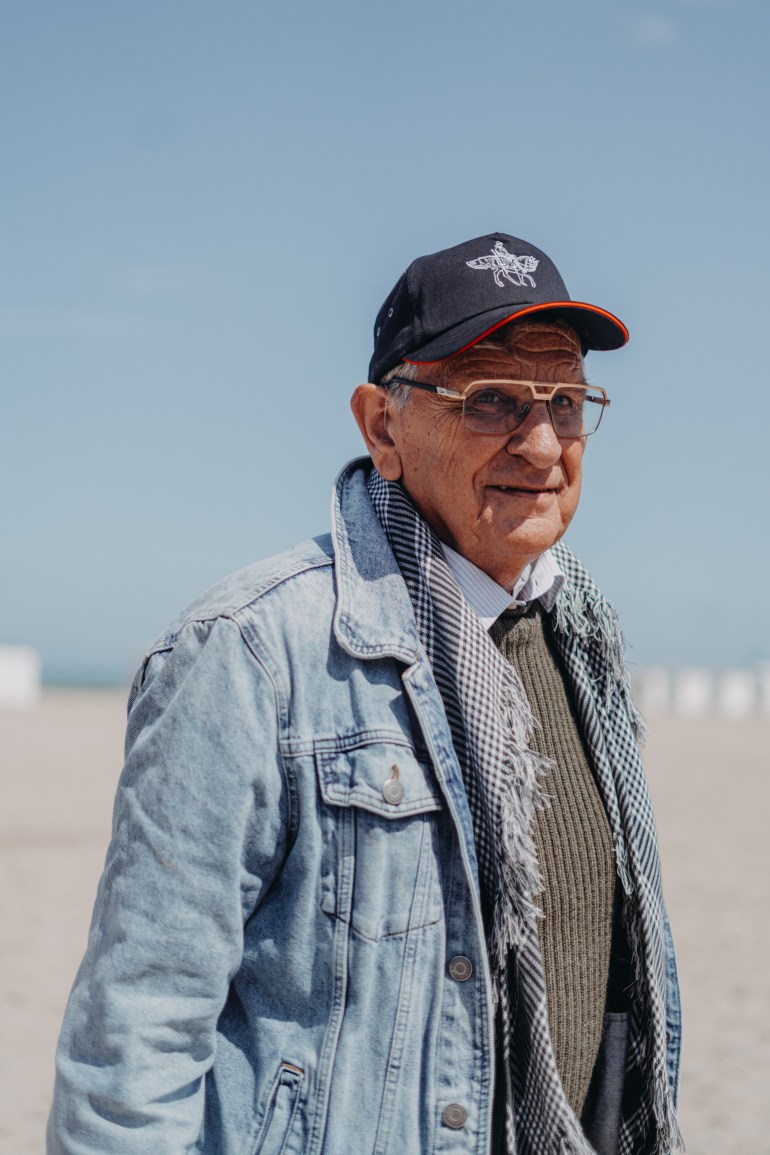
{"type": "Point", "coordinates": [267, 965]}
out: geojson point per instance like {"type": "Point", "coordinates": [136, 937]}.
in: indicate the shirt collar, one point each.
{"type": "Point", "coordinates": [541, 579]}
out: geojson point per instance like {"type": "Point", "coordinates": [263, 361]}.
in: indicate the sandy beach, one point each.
{"type": "Point", "coordinates": [710, 781]}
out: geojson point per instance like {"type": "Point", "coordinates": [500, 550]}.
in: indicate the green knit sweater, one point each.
{"type": "Point", "coordinates": [574, 846]}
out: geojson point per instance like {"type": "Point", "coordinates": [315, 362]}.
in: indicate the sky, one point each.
{"type": "Point", "coordinates": [202, 207]}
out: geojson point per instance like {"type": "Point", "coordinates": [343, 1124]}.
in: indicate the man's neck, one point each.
{"type": "Point", "coordinates": [542, 578]}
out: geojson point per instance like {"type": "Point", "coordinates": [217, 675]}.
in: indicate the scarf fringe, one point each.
{"type": "Point", "coordinates": [520, 881]}
{"type": "Point", "coordinates": [585, 612]}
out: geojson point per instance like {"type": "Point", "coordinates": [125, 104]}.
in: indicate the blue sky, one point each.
{"type": "Point", "coordinates": [203, 206]}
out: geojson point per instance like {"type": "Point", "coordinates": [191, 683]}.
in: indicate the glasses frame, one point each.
{"type": "Point", "coordinates": [540, 392]}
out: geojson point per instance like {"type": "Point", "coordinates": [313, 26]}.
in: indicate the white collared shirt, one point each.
{"type": "Point", "coordinates": [542, 578]}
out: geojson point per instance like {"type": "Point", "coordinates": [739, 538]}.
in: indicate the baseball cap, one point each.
{"type": "Point", "coordinates": [447, 301]}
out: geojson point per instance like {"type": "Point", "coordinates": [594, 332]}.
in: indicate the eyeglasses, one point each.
{"type": "Point", "coordinates": [501, 406]}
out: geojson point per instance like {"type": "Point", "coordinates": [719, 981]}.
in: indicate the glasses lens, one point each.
{"type": "Point", "coordinates": [501, 407]}
{"type": "Point", "coordinates": [576, 412]}
{"type": "Point", "coordinates": [496, 408]}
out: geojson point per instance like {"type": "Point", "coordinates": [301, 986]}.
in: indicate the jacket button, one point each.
{"type": "Point", "coordinates": [392, 790]}
{"type": "Point", "coordinates": [454, 1116]}
{"type": "Point", "coordinates": [460, 968]}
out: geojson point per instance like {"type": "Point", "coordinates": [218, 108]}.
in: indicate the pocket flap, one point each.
{"type": "Point", "coordinates": [364, 776]}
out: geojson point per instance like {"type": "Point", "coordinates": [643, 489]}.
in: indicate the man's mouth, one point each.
{"type": "Point", "coordinates": [521, 489]}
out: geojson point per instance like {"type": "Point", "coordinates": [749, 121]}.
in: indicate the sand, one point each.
{"type": "Point", "coordinates": [711, 786]}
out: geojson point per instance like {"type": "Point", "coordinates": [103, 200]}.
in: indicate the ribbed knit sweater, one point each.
{"type": "Point", "coordinates": [574, 846]}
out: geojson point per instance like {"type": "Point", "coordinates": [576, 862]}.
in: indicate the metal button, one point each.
{"type": "Point", "coordinates": [460, 968]}
{"type": "Point", "coordinates": [454, 1116]}
{"type": "Point", "coordinates": [392, 790]}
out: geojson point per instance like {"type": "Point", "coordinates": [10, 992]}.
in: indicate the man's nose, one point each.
{"type": "Point", "coordinates": [536, 439]}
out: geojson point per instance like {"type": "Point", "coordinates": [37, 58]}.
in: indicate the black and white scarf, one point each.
{"type": "Point", "coordinates": [491, 724]}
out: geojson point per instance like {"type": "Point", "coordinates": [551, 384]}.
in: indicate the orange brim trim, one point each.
{"type": "Point", "coordinates": [523, 313]}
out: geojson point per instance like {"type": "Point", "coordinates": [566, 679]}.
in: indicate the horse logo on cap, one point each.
{"type": "Point", "coordinates": [515, 269]}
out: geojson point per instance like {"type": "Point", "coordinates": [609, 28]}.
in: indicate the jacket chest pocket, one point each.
{"type": "Point", "coordinates": [380, 870]}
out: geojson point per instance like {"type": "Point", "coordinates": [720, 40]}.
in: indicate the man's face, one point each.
{"type": "Point", "coordinates": [498, 500]}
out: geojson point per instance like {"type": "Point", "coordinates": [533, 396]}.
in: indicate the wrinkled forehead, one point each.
{"type": "Point", "coordinates": [534, 337]}
{"type": "Point", "coordinates": [529, 349]}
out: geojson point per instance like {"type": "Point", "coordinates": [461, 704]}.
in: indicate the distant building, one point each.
{"type": "Point", "coordinates": [700, 692]}
{"type": "Point", "coordinates": [19, 677]}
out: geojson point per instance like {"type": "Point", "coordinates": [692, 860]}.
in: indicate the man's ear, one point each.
{"type": "Point", "coordinates": [370, 409]}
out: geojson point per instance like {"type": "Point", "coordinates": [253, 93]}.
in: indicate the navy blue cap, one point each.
{"type": "Point", "coordinates": [445, 302]}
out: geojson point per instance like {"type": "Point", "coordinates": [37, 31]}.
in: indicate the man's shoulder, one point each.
{"type": "Point", "coordinates": [240, 590]}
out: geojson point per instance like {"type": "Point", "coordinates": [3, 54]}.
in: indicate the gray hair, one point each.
{"type": "Point", "coordinates": [399, 394]}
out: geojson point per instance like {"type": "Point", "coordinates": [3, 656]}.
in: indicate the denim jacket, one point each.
{"type": "Point", "coordinates": [268, 962]}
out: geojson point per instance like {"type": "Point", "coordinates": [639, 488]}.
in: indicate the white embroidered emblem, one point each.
{"type": "Point", "coordinates": [515, 269]}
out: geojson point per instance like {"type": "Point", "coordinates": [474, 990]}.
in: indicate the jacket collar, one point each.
{"type": "Point", "coordinates": [373, 616]}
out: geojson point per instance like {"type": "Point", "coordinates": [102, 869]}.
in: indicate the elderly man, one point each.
{"type": "Point", "coordinates": [383, 875]}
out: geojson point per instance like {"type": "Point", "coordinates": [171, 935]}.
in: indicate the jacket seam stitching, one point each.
{"type": "Point", "coordinates": [231, 612]}
{"type": "Point", "coordinates": [281, 715]}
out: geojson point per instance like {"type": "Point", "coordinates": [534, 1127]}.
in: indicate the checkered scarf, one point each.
{"type": "Point", "coordinates": [491, 724]}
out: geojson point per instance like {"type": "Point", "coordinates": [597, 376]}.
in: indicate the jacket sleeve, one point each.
{"type": "Point", "coordinates": [199, 833]}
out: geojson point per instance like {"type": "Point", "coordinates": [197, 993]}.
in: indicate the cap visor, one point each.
{"type": "Point", "coordinates": [596, 328]}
